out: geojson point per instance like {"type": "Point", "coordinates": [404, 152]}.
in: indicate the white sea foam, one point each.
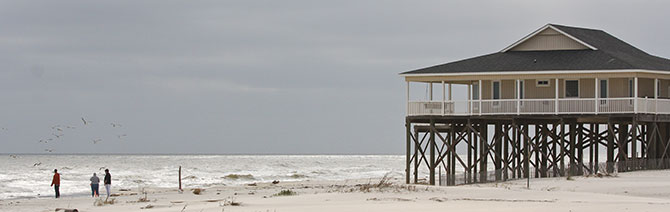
{"type": "Point", "coordinates": [20, 179]}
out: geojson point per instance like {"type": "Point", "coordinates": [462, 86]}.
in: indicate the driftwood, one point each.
{"type": "Point", "coordinates": [67, 210]}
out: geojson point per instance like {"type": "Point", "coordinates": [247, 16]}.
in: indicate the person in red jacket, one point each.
{"type": "Point", "coordinates": [56, 182]}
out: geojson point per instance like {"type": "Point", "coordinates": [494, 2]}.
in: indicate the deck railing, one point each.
{"type": "Point", "coordinates": [540, 106]}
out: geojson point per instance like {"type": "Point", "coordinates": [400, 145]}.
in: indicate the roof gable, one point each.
{"type": "Point", "coordinates": [548, 38]}
{"type": "Point", "coordinates": [603, 52]}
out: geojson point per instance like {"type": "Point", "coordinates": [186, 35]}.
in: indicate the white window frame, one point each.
{"type": "Point", "coordinates": [475, 90]}
{"type": "Point", "coordinates": [631, 90]}
{"type": "Point", "coordinates": [523, 92]}
{"type": "Point", "coordinates": [603, 100]}
{"type": "Point", "coordinates": [495, 103]}
{"type": "Point", "coordinates": [565, 89]}
{"type": "Point", "coordinates": [537, 83]}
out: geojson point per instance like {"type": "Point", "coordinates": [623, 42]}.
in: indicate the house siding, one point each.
{"type": "Point", "coordinates": [549, 39]}
{"type": "Point", "coordinates": [531, 90]}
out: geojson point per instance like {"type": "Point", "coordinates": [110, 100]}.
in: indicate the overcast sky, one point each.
{"type": "Point", "coordinates": [247, 76]}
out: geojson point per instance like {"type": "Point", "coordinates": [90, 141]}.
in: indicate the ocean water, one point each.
{"type": "Point", "coordinates": [21, 178]}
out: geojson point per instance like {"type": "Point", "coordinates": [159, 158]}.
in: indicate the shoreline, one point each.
{"type": "Point", "coordinates": [638, 191]}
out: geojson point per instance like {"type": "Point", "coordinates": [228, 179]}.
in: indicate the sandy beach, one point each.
{"type": "Point", "coordinates": [633, 191]}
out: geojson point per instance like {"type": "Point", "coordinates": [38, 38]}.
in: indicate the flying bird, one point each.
{"type": "Point", "coordinates": [58, 135]}
{"type": "Point", "coordinates": [5, 129]}
{"type": "Point", "coordinates": [48, 150]}
{"type": "Point", "coordinates": [95, 141]}
{"type": "Point", "coordinates": [84, 120]}
{"type": "Point", "coordinates": [115, 125]}
{"type": "Point", "coordinates": [70, 127]}
{"type": "Point", "coordinates": [13, 156]}
{"type": "Point", "coordinates": [121, 136]}
{"type": "Point", "coordinates": [37, 164]}
{"type": "Point", "coordinates": [43, 141]}
{"type": "Point", "coordinates": [101, 168]}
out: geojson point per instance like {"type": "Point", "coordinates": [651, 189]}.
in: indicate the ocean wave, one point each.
{"type": "Point", "coordinates": [239, 177]}
{"type": "Point", "coordinates": [20, 179]}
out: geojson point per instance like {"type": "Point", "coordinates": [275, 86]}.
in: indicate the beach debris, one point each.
{"type": "Point", "coordinates": [122, 136]}
{"type": "Point", "coordinates": [102, 168]}
{"type": "Point", "coordinates": [184, 208]}
{"type": "Point", "coordinates": [4, 129]}
{"type": "Point", "coordinates": [251, 184]}
{"type": "Point", "coordinates": [95, 141]}
{"type": "Point", "coordinates": [115, 195]}
{"type": "Point", "coordinates": [287, 192]}
{"type": "Point", "coordinates": [230, 201]}
{"type": "Point", "coordinates": [106, 201]}
{"type": "Point", "coordinates": [176, 201]}
{"type": "Point", "coordinates": [389, 199]}
{"type": "Point", "coordinates": [13, 156]}
{"type": "Point", "coordinates": [67, 210]}
{"type": "Point", "coordinates": [197, 191]}
{"type": "Point", "coordinates": [124, 189]}
{"type": "Point", "coordinates": [275, 182]}
{"type": "Point", "coordinates": [438, 199]}
{"type": "Point", "coordinates": [147, 207]}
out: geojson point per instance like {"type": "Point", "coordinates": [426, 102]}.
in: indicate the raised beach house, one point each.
{"type": "Point", "coordinates": [544, 97]}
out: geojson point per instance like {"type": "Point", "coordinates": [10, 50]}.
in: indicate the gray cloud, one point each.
{"type": "Point", "coordinates": [254, 76]}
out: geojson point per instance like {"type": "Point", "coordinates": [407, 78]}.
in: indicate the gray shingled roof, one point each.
{"type": "Point", "coordinates": [611, 53]}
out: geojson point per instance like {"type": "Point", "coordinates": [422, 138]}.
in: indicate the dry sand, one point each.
{"type": "Point", "coordinates": [633, 191]}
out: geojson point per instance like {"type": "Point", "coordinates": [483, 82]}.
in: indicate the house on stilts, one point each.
{"type": "Point", "coordinates": [547, 105]}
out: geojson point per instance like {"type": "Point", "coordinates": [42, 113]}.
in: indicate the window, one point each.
{"type": "Point", "coordinates": [603, 91]}
{"type": "Point", "coordinates": [475, 91]}
{"type": "Point", "coordinates": [520, 92]}
{"type": "Point", "coordinates": [630, 88]}
{"type": "Point", "coordinates": [630, 91]}
{"type": "Point", "coordinates": [543, 83]}
{"type": "Point", "coordinates": [571, 88]}
{"type": "Point", "coordinates": [521, 89]}
{"type": "Point", "coordinates": [603, 88]}
{"type": "Point", "coordinates": [496, 89]}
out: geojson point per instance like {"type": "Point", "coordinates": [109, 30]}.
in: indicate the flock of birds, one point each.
{"type": "Point", "coordinates": [59, 132]}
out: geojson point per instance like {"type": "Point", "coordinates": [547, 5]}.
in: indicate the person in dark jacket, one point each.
{"type": "Point", "coordinates": [55, 182]}
{"type": "Point", "coordinates": [95, 183]}
{"type": "Point", "coordinates": [108, 182]}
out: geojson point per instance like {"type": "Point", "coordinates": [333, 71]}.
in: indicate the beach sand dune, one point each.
{"type": "Point", "coordinates": [633, 191]}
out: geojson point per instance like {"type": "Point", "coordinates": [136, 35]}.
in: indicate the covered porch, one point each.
{"type": "Point", "coordinates": [541, 95]}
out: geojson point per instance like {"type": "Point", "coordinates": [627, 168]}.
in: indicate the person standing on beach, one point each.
{"type": "Point", "coordinates": [55, 182]}
{"type": "Point", "coordinates": [95, 183]}
{"type": "Point", "coordinates": [108, 182]}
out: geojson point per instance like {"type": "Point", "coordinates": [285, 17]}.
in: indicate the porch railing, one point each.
{"type": "Point", "coordinates": [540, 106]}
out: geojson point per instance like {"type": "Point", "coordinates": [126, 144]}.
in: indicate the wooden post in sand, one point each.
{"type": "Point", "coordinates": [180, 178]}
